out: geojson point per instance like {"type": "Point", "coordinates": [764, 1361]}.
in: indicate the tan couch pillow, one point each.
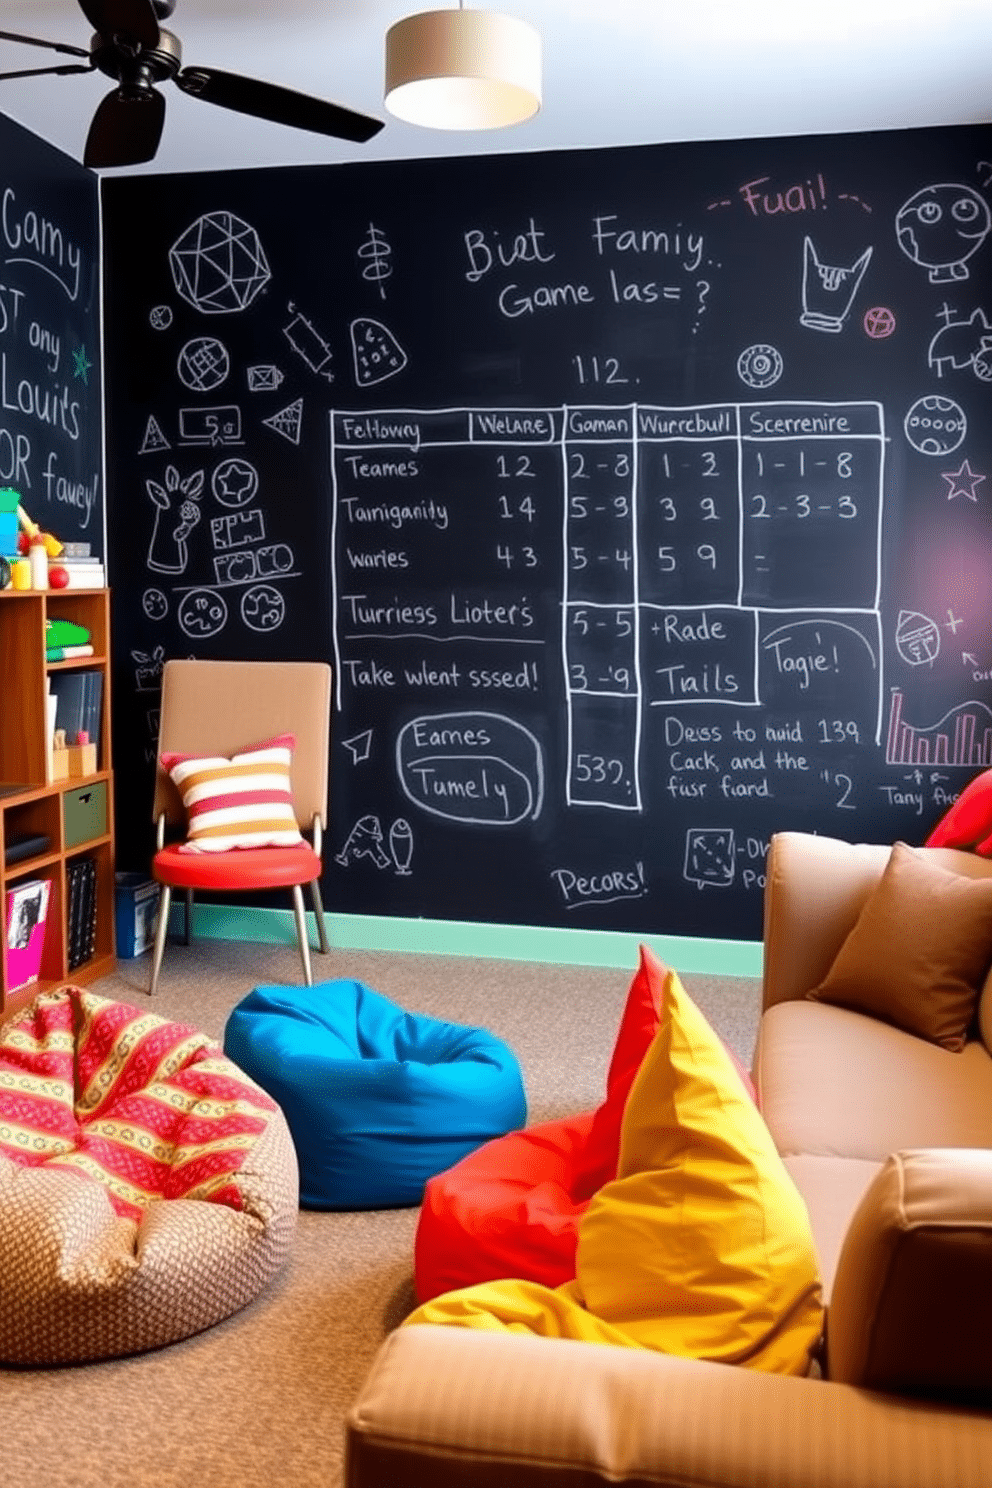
{"type": "Point", "coordinates": [911, 1306]}
{"type": "Point", "coordinates": [919, 951]}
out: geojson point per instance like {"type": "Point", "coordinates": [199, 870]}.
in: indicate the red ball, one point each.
{"type": "Point", "coordinates": [23, 543]}
{"type": "Point", "coordinates": [58, 578]}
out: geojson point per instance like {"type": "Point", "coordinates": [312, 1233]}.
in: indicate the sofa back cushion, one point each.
{"type": "Point", "coordinates": [911, 1307]}
{"type": "Point", "coordinates": [919, 951]}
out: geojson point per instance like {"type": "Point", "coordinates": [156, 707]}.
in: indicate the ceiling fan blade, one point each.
{"type": "Point", "coordinates": [279, 105]}
{"type": "Point", "coordinates": [133, 20]}
{"type": "Point", "coordinates": [126, 128]}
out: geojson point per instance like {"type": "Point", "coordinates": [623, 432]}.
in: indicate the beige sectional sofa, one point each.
{"type": "Point", "coordinates": [888, 1136]}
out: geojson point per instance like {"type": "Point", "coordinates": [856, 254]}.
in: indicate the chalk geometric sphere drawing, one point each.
{"type": "Point", "coordinates": [218, 264]}
{"type": "Point", "coordinates": [935, 426]}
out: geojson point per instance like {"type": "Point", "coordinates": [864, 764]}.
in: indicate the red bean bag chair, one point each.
{"type": "Point", "coordinates": [511, 1208]}
{"type": "Point", "coordinates": [968, 823]}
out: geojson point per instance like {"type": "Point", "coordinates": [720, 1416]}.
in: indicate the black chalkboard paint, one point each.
{"type": "Point", "coordinates": [50, 380]}
{"type": "Point", "coordinates": [640, 499]}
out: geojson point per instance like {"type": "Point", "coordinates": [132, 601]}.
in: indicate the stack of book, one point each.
{"type": "Point", "coordinates": [81, 916]}
{"type": "Point", "coordinates": [84, 570]}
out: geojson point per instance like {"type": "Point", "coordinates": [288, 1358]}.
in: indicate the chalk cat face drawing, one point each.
{"type": "Point", "coordinates": [941, 227]}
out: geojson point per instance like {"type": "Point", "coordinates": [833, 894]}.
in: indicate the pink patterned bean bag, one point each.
{"type": "Point", "coordinates": [148, 1188]}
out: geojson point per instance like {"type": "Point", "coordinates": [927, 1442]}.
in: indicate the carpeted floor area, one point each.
{"type": "Point", "coordinates": [260, 1399]}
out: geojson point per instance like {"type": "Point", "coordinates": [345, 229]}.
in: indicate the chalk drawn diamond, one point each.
{"type": "Point", "coordinates": [218, 264]}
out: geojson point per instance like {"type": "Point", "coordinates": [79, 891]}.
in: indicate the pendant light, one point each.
{"type": "Point", "coordinates": [463, 69]}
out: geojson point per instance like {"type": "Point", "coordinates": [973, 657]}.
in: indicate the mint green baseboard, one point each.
{"type": "Point", "coordinates": [460, 938]}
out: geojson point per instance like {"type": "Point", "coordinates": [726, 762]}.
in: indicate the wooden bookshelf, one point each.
{"type": "Point", "coordinates": [76, 814]}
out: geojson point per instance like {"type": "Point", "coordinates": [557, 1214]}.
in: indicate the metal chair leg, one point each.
{"type": "Point", "coordinates": [188, 938]}
{"type": "Point", "coordinates": [318, 909]}
{"type": "Point", "coordinates": [161, 935]}
{"type": "Point", "coordinates": [302, 936]}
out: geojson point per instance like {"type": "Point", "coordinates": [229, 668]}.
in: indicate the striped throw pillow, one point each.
{"type": "Point", "coordinates": [244, 801]}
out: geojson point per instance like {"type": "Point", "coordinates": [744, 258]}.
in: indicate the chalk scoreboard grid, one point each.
{"type": "Point", "coordinates": [684, 531]}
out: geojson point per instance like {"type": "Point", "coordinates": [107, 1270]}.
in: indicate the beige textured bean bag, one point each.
{"type": "Point", "coordinates": [148, 1188]}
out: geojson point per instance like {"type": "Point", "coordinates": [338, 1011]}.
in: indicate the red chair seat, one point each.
{"type": "Point", "coordinates": [243, 868]}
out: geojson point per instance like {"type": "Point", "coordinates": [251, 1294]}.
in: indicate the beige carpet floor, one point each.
{"type": "Point", "coordinates": [260, 1399]}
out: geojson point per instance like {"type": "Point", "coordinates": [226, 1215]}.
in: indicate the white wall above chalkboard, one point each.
{"type": "Point", "coordinates": [628, 72]}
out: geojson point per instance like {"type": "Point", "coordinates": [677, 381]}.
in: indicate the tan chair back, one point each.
{"type": "Point", "coordinates": [220, 707]}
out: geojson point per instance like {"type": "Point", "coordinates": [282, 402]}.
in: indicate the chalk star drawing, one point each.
{"type": "Point", "coordinates": [82, 366]}
{"type": "Point", "coordinates": [962, 482]}
{"type": "Point", "coordinates": [218, 264]}
{"type": "Point", "coordinates": [359, 746]}
{"type": "Point", "coordinates": [234, 482]}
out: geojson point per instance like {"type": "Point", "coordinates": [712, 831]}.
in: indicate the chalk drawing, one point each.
{"type": "Point", "coordinates": [941, 227]}
{"type": "Point", "coordinates": [829, 289]}
{"type": "Point", "coordinates": [168, 551]}
{"type": "Point", "coordinates": [935, 426]}
{"type": "Point", "coordinates": [218, 264]}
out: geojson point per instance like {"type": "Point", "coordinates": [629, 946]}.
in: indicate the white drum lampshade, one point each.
{"type": "Point", "coordinates": [463, 69]}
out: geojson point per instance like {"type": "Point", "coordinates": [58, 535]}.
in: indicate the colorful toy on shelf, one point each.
{"type": "Point", "coordinates": [968, 823]}
{"type": "Point", "coordinates": [9, 508]}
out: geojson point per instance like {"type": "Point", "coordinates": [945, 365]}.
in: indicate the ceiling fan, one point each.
{"type": "Point", "coordinates": [132, 48]}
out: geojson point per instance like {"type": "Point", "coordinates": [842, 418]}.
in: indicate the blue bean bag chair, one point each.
{"type": "Point", "coordinates": [377, 1099]}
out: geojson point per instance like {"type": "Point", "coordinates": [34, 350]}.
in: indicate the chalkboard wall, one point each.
{"type": "Point", "coordinates": [50, 405]}
{"type": "Point", "coordinates": [639, 498]}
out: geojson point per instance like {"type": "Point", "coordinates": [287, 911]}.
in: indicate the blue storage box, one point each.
{"type": "Point", "coordinates": [136, 904]}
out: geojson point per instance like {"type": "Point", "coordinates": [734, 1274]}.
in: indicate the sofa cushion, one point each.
{"type": "Point", "coordinates": [919, 950]}
{"type": "Point", "coordinates": [701, 1246]}
{"type": "Point", "coordinates": [912, 1305]}
{"type": "Point", "coordinates": [822, 1090]}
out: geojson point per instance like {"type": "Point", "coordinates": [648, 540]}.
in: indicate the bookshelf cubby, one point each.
{"type": "Point", "coordinates": [68, 818]}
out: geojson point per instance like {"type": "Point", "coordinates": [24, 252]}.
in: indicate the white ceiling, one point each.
{"type": "Point", "coordinates": [615, 72]}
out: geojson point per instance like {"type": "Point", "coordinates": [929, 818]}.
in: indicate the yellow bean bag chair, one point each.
{"type": "Point", "coordinates": [700, 1246]}
{"type": "Point", "coordinates": [148, 1188]}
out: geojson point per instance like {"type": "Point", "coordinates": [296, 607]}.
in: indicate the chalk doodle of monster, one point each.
{"type": "Point", "coordinates": [962, 346]}
{"type": "Point", "coordinates": [176, 515]}
{"type": "Point", "coordinates": [829, 289]}
{"type": "Point", "coordinates": [941, 227]}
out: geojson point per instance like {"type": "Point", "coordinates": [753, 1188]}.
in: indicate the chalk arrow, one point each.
{"type": "Point", "coordinates": [968, 660]}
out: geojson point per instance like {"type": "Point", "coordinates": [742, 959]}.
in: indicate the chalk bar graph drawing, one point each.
{"type": "Point", "coordinates": [962, 737]}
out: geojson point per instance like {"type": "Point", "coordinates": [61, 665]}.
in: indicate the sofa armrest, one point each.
{"type": "Point", "coordinates": [448, 1407]}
